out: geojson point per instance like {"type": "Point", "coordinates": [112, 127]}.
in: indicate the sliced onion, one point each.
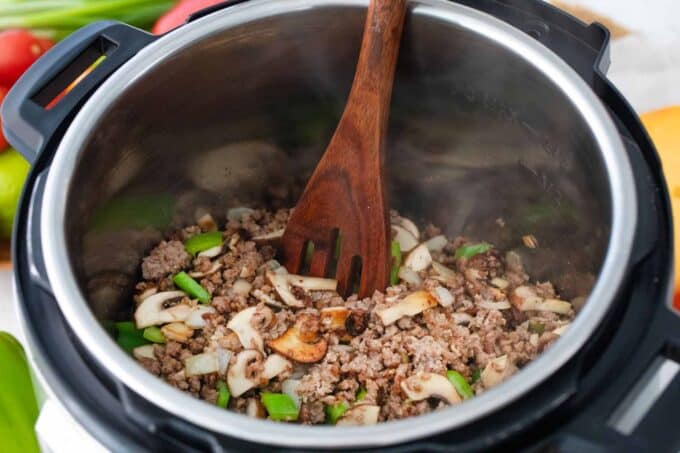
{"type": "Point", "coordinates": [409, 226]}
{"type": "Point", "coordinates": [462, 318]}
{"type": "Point", "coordinates": [437, 243]}
{"type": "Point", "coordinates": [448, 274]}
{"type": "Point", "coordinates": [212, 252]}
{"type": "Point", "coordinates": [275, 365]}
{"type": "Point", "coordinates": [410, 276]}
{"type": "Point", "coordinates": [242, 287]}
{"type": "Point", "coordinates": [290, 388]}
{"type": "Point", "coordinates": [489, 305]}
{"type": "Point", "coordinates": [145, 352]}
{"type": "Point", "coordinates": [223, 358]}
{"type": "Point", "coordinates": [205, 363]}
{"type": "Point", "coordinates": [560, 330]}
{"type": "Point", "coordinates": [406, 240]}
{"type": "Point", "coordinates": [444, 296]}
{"type": "Point", "coordinates": [299, 370]}
{"type": "Point", "coordinates": [419, 259]}
{"type": "Point", "coordinates": [255, 409]}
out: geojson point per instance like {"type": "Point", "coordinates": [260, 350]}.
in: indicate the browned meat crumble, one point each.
{"type": "Point", "coordinates": [477, 316]}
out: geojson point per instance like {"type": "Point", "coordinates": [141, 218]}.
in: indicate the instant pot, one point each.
{"type": "Point", "coordinates": [503, 124]}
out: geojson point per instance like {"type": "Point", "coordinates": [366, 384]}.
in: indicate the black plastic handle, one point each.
{"type": "Point", "coordinates": [29, 125]}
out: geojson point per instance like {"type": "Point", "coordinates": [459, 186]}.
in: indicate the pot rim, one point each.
{"type": "Point", "coordinates": [84, 324]}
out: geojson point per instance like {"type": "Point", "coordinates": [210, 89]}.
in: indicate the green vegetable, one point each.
{"type": "Point", "coordinates": [461, 385]}
{"type": "Point", "coordinates": [18, 407]}
{"type": "Point", "coordinates": [57, 18]}
{"type": "Point", "coordinates": [470, 250]}
{"type": "Point", "coordinates": [154, 335]}
{"type": "Point", "coordinates": [361, 394]}
{"type": "Point", "coordinates": [334, 412]}
{"type": "Point", "coordinates": [191, 287]}
{"type": "Point", "coordinates": [129, 336]}
{"type": "Point", "coordinates": [476, 374]}
{"type": "Point", "coordinates": [279, 406]}
{"type": "Point", "coordinates": [395, 251]}
{"type": "Point", "coordinates": [203, 241]}
{"type": "Point", "coordinates": [223, 394]}
{"type": "Point", "coordinates": [536, 327]}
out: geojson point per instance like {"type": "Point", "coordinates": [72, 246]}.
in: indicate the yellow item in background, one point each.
{"type": "Point", "coordinates": [664, 129]}
{"type": "Point", "coordinates": [13, 171]}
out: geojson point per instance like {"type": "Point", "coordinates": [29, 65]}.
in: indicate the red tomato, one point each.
{"type": "Point", "coordinates": [3, 142]}
{"type": "Point", "coordinates": [18, 50]}
{"type": "Point", "coordinates": [180, 13]}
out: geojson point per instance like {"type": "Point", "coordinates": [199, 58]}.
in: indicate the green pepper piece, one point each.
{"type": "Point", "coordinates": [223, 394]}
{"type": "Point", "coordinates": [395, 251]}
{"type": "Point", "coordinates": [536, 327]}
{"type": "Point", "coordinates": [461, 385]}
{"type": "Point", "coordinates": [361, 394]}
{"type": "Point", "coordinates": [154, 335]}
{"type": "Point", "coordinates": [204, 241]}
{"type": "Point", "coordinates": [470, 250]}
{"type": "Point", "coordinates": [191, 287]}
{"type": "Point", "coordinates": [280, 406]}
{"type": "Point", "coordinates": [335, 411]}
{"type": "Point", "coordinates": [129, 337]}
{"type": "Point", "coordinates": [476, 374]}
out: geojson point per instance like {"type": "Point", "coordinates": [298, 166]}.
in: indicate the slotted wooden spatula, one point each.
{"type": "Point", "coordinates": [345, 195]}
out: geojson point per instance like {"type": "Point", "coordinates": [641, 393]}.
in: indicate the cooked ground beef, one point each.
{"type": "Point", "coordinates": [479, 315]}
{"type": "Point", "coordinates": [166, 258]}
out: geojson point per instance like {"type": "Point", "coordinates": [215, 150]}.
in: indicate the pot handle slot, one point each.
{"type": "Point", "coordinates": [43, 101]}
{"type": "Point", "coordinates": [583, 47]}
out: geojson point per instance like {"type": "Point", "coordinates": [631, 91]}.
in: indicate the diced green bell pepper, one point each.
{"type": "Point", "coordinates": [190, 286]}
{"type": "Point", "coordinates": [280, 406]}
{"type": "Point", "coordinates": [461, 385]}
{"type": "Point", "coordinates": [470, 250]}
{"type": "Point", "coordinates": [335, 411]}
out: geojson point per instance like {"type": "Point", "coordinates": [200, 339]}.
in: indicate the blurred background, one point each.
{"type": "Point", "coordinates": [645, 66]}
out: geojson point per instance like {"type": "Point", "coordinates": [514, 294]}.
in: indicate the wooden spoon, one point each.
{"type": "Point", "coordinates": [346, 194]}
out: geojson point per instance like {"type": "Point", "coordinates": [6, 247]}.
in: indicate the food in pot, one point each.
{"type": "Point", "coordinates": [217, 316]}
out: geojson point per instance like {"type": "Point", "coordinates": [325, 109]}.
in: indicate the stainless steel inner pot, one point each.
{"type": "Point", "coordinates": [491, 136]}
